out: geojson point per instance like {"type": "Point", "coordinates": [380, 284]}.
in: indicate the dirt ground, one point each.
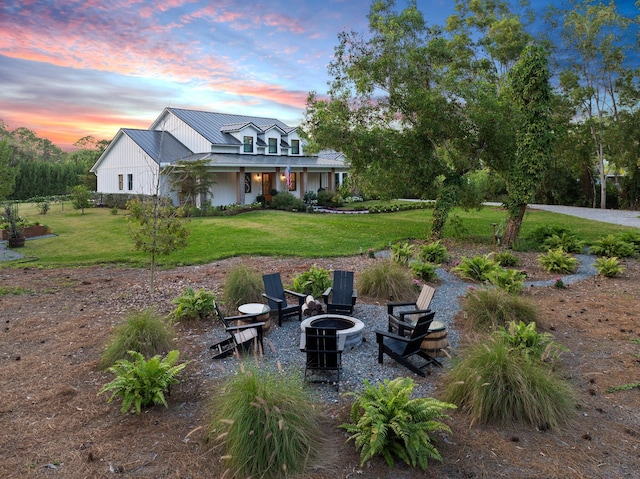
{"type": "Point", "coordinates": [53, 423]}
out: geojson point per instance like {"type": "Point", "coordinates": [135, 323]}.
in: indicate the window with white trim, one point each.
{"type": "Point", "coordinates": [295, 147]}
{"type": "Point", "coordinates": [248, 144]}
{"type": "Point", "coordinates": [130, 181]}
{"type": "Point", "coordinates": [121, 182]}
{"type": "Point", "coordinates": [273, 145]}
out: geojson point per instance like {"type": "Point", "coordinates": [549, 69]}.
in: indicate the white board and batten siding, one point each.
{"type": "Point", "coordinates": [183, 133]}
{"type": "Point", "coordinates": [127, 158]}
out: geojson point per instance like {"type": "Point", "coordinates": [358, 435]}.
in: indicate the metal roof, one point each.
{"type": "Point", "coordinates": [213, 126]}
{"type": "Point", "coordinates": [161, 146]}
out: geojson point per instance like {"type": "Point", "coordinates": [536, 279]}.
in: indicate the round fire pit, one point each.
{"type": "Point", "coordinates": [347, 326]}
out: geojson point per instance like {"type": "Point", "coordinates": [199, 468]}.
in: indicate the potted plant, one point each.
{"type": "Point", "coordinates": [16, 239]}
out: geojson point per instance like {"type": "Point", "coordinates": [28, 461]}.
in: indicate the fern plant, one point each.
{"type": "Point", "coordinates": [557, 261]}
{"type": "Point", "coordinates": [140, 383]}
{"type": "Point", "coordinates": [401, 253]}
{"type": "Point", "coordinates": [608, 267]}
{"type": "Point", "coordinates": [386, 422]}
{"type": "Point", "coordinates": [526, 337]}
{"type": "Point", "coordinates": [194, 304]}
{"type": "Point", "coordinates": [477, 268]}
{"type": "Point", "coordinates": [433, 252]}
{"type": "Point", "coordinates": [611, 245]}
{"type": "Point", "coordinates": [313, 282]}
{"type": "Point", "coordinates": [568, 242]}
{"type": "Point", "coordinates": [509, 280]}
{"type": "Point", "coordinates": [424, 270]}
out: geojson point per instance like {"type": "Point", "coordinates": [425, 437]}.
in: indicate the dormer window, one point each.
{"type": "Point", "coordinates": [295, 147]}
{"type": "Point", "coordinates": [273, 145]}
{"type": "Point", "coordinates": [248, 144]}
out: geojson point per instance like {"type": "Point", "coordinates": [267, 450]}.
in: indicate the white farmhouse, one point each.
{"type": "Point", "coordinates": [251, 156]}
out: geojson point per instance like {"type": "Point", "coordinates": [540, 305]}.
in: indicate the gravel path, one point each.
{"type": "Point", "coordinates": [360, 363]}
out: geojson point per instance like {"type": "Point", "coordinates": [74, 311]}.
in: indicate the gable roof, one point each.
{"type": "Point", "coordinates": [216, 126]}
{"type": "Point", "coordinates": [161, 146]}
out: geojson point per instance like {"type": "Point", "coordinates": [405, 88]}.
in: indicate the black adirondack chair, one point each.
{"type": "Point", "coordinates": [242, 337]}
{"type": "Point", "coordinates": [277, 297]}
{"type": "Point", "coordinates": [401, 348]}
{"type": "Point", "coordinates": [324, 348]}
{"type": "Point", "coordinates": [341, 297]}
{"type": "Point", "coordinates": [409, 312]}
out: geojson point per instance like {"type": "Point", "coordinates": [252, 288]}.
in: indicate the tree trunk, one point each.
{"type": "Point", "coordinates": [512, 229]}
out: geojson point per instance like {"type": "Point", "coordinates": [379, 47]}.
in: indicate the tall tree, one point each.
{"type": "Point", "coordinates": [530, 92]}
{"type": "Point", "coordinates": [387, 109]}
{"type": "Point", "coordinates": [593, 59]}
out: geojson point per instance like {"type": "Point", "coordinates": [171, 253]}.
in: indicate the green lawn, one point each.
{"type": "Point", "coordinates": [99, 237]}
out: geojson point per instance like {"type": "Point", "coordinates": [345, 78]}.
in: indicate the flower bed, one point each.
{"type": "Point", "coordinates": [29, 231]}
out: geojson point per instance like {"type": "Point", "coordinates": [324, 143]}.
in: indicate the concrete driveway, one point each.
{"type": "Point", "coordinates": [616, 217]}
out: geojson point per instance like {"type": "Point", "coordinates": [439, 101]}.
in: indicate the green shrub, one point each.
{"type": "Point", "coordinates": [287, 202]}
{"type": "Point", "coordinates": [477, 268]}
{"type": "Point", "coordinates": [526, 337]}
{"type": "Point", "coordinates": [386, 422]}
{"type": "Point", "coordinates": [497, 383]}
{"type": "Point", "coordinates": [401, 253]}
{"type": "Point", "coordinates": [611, 245]}
{"type": "Point", "coordinates": [424, 271]}
{"type": "Point", "coordinates": [568, 242]}
{"type": "Point", "coordinates": [631, 237]}
{"type": "Point", "coordinates": [329, 199]}
{"type": "Point", "coordinates": [267, 424]}
{"type": "Point", "coordinates": [194, 304]}
{"type": "Point", "coordinates": [434, 252]}
{"type": "Point", "coordinates": [142, 331]}
{"type": "Point", "coordinates": [140, 383]}
{"type": "Point", "coordinates": [536, 238]}
{"type": "Point", "coordinates": [242, 285]}
{"type": "Point", "coordinates": [509, 280]}
{"type": "Point", "coordinates": [488, 308]}
{"type": "Point", "coordinates": [313, 282]}
{"type": "Point", "coordinates": [608, 267]}
{"type": "Point", "coordinates": [386, 281]}
{"type": "Point", "coordinates": [506, 259]}
{"type": "Point", "coordinates": [557, 261]}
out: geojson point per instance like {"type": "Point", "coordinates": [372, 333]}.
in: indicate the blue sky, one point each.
{"type": "Point", "coordinates": [71, 68]}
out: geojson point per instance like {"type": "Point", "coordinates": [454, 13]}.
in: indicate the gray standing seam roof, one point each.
{"type": "Point", "coordinates": [161, 146]}
{"type": "Point", "coordinates": [210, 124]}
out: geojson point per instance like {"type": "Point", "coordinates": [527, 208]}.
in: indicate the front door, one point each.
{"type": "Point", "coordinates": [267, 186]}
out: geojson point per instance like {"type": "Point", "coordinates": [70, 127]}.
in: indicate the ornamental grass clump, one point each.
{"type": "Point", "coordinates": [486, 309]}
{"type": "Point", "coordinates": [386, 281]}
{"type": "Point", "coordinates": [266, 423]}
{"type": "Point", "coordinates": [495, 382]}
{"type": "Point", "coordinates": [385, 422]}
{"type": "Point", "coordinates": [145, 332]}
{"type": "Point", "coordinates": [242, 285]}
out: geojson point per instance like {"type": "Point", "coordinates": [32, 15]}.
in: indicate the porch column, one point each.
{"type": "Point", "coordinates": [240, 186]}
{"type": "Point", "coordinates": [303, 182]}
{"type": "Point", "coordinates": [331, 180]}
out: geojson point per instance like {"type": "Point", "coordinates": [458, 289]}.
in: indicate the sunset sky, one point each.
{"type": "Point", "coordinates": [71, 68]}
